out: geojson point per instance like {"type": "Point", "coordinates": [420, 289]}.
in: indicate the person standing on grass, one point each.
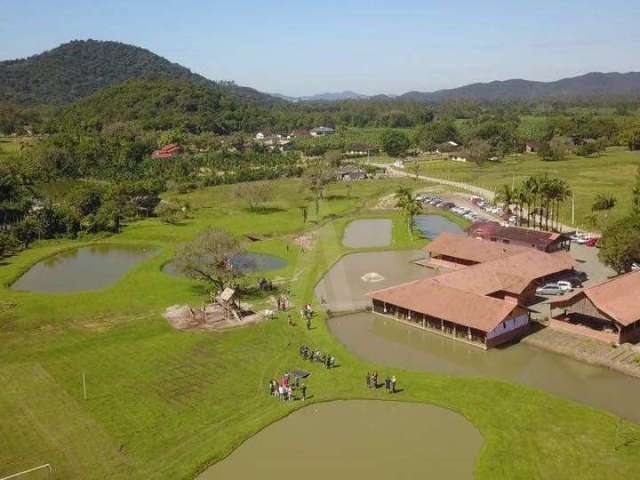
{"type": "Point", "coordinates": [375, 380]}
{"type": "Point", "coordinates": [393, 384]}
{"type": "Point", "coordinates": [387, 384]}
{"type": "Point", "coordinates": [303, 389]}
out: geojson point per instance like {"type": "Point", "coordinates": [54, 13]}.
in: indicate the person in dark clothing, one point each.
{"type": "Point", "coordinates": [387, 384]}
{"type": "Point", "coordinates": [303, 390]}
{"type": "Point", "coordinates": [375, 380]}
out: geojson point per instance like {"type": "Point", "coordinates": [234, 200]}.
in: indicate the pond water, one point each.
{"type": "Point", "coordinates": [81, 269]}
{"type": "Point", "coordinates": [385, 341]}
{"type": "Point", "coordinates": [433, 225]}
{"type": "Point", "coordinates": [344, 287]}
{"type": "Point", "coordinates": [357, 439]}
{"type": "Point", "coordinates": [367, 233]}
{"type": "Point", "coordinates": [244, 262]}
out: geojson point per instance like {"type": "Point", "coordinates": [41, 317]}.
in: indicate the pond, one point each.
{"type": "Point", "coordinates": [81, 269]}
{"type": "Point", "coordinates": [244, 262]}
{"type": "Point", "coordinates": [433, 225]}
{"type": "Point", "coordinates": [367, 233]}
{"type": "Point", "coordinates": [357, 439]}
{"type": "Point", "coordinates": [344, 287]}
{"type": "Point", "coordinates": [385, 341]}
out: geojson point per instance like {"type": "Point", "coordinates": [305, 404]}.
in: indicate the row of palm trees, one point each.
{"type": "Point", "coordinates": [537, 199]}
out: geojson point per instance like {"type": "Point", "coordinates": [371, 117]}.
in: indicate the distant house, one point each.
{"type": "Point", "coordinates": [262, 134]}
{"type": "Point", "coordinates": [609, 311]}
{"type": "Point", "coordinates": [457, 156]}
{"type": "Point", "coordinates": [322, 131]}
{"type": "Point", "coordinates": [531, 147]}
{"type": "Point", "coordinates": [351, 172]}
{"type": "Point", "coordinates": [300, 132]}
{"type": "Point", "coordinates": [518, 236]}
{"type": "Point", "coordinates": [167, 151]}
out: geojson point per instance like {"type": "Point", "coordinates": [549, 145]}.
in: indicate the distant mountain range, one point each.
{"type": "Point", "coordinates": [325, 97]}
{"type": "Point", "coordinates": [590, 85]}
{"type": "Point", "coordinates": [80, 68]}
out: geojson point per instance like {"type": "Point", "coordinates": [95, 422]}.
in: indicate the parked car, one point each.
{"type": "Point", "coordinates": [550, 289]}
{"type": "Point", "coordinates": [565, 285]}
{"type": "Point", "coordinates": [635, 267]}
{"type": "Point", "coordinates": [593, 242]}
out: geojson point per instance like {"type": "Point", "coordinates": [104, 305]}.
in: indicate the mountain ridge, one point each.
{"type": "Point", "coordinates": [80, 68]}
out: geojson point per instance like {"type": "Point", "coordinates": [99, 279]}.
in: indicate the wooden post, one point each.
{"type": "Point", "coordinates": [84, 385]}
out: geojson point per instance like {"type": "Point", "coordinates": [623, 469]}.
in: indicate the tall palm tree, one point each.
{"type": "Point", "coordinates": [409, 205]}
{"type": "Point", "coordinates": [506, 195]}
{"type": "Point", "coordinates": [523, 197]}
{"type": "Point", "coordinates": [563, 191]}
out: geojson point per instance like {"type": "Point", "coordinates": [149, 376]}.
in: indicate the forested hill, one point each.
{"type": "Point", "coordinates": [162, 105]}
{"type": "Point", "coordinates": [82, 67]}
{"type": "Point", "coordinates": [591, 85]}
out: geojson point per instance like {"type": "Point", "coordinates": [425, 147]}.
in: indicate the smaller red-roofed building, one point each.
{"type": "Point", "coordinates": [167, 151]}
{"type": "Point", "coordinates": [519, 236]}
{"type": "Point", "coordinates": [609, 311]}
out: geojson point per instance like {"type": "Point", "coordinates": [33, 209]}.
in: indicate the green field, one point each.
{"type": "Point", "coordinates": [164, 404]}
{"type": "Point", "coordinates": [612, 173]}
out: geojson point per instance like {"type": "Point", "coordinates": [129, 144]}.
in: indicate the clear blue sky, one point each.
{"type": "Point", "coordinates": [303, 47]}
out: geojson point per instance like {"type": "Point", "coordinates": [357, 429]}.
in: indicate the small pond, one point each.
{"type": "Point", "coordinates": [244, 262]}
{"type": "Point", "coordinates": [433, 225]}
{"type": "Point", "coordinates": [367, 233]}
{"type": "Point", "coordinates": [81, 269]}
{"type": "Point", "coordinates": [345, 285]}
{"type": "Point", "coordinates": [355, 439]}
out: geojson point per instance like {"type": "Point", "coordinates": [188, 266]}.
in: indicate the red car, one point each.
{"type": "Point", "coordinates": [593, 242]}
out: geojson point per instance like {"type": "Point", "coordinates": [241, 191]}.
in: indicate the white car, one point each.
{"type": "Point", "coordinates": [635, 267]}
{"type": "Point", "coordinates": [565, 285]}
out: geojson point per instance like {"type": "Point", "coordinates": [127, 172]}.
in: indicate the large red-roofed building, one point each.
{"type": "Point", "coordinates": [483, 299]}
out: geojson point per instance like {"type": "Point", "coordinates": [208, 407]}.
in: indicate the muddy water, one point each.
{"type": "Point", "coordinates": [433, 225]}
{"type": "Point", "coordinates": [385, 341]}
{"type": "Point", "coordinates": [367, 233]}
{"type": "Point", "coordinates": [87, 268]}
{"type": "Point", "coordinates": [344, 288]}
{"type": "Point", "coordinates": [357, 439]}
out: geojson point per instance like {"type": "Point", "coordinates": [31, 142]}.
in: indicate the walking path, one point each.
{"type": "Point", "coordinates": [482, 192]}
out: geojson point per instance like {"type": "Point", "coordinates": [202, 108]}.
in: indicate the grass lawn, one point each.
{"type": "Point", "coordinates": [164, 404]}
{"type": "Point", "coordinates": [612, 173]}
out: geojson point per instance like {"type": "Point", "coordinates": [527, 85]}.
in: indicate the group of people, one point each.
{"type": "Point", "coordinates": [284, 389]}
{"type": "Point", "coordinates": [389, 382]}
{"type": "Point", "coordinates": [329, 361]}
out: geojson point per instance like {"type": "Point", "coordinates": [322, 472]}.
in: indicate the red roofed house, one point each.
{"type": "Point", "coordinates": [523, 237]}
{"type": "Point", "coordinates": [167, 151]}
{"type": "Point", "coordinates": [609, 311]}
{"type": "Point", "coordinates": [483, 301]}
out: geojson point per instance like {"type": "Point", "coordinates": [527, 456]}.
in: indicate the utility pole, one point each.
{"type": "Point", "coordinates": [573, 209]}
{"type": "Point", "coordinates": [84, 385]}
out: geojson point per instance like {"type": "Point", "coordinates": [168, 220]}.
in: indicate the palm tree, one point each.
{"type": "Point", "coordinates": [506, 195]}
{"type": "Point", "coordinates": [562, 192]}
{"type": "Point", "coordinates": [523, 197]}
{"type": "Point", "coordinates": [409, 205]}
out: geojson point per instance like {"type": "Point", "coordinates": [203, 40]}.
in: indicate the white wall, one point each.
{"type": "Point", "coordinates": [509, 325]}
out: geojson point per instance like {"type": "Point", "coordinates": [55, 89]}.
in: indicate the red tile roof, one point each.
{"type": "Point", "coordinates": [471, 249]}
{"type": "Point", "coordinates": [167, 151]}
{"type": "Point", "coordinates": [441, 301]}
{"type": "Point", "coordinates": [618, 298]}
{"type": "Point", "coordinates": [526, 236]}
{"type": "Point", "coordinates": [461, 296]}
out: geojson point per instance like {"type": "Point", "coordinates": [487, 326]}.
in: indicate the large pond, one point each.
{"type": "Point", "coordinates": [244, 262]}
{"type": "Point", "coordinates": [344, 287]}
{"type": "Point", "coordinates": [367, 233]}
{"type": "Point", "coordinates": [385, 341]}
{"type": "Point", "coordinates": [87, 268]}
{"type": "Point", "coordinates": [357, 439]}
{"type": "Point", "coordinates": [433, 225]}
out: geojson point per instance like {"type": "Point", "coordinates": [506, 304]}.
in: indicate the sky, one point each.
{"type": "Point", "coordinates": [303, 47]}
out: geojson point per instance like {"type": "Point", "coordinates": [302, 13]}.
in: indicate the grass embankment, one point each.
{"type": "Point", "coordinates": [611, 173]}
{"type": "Point", "coordinates": [163, 403]}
